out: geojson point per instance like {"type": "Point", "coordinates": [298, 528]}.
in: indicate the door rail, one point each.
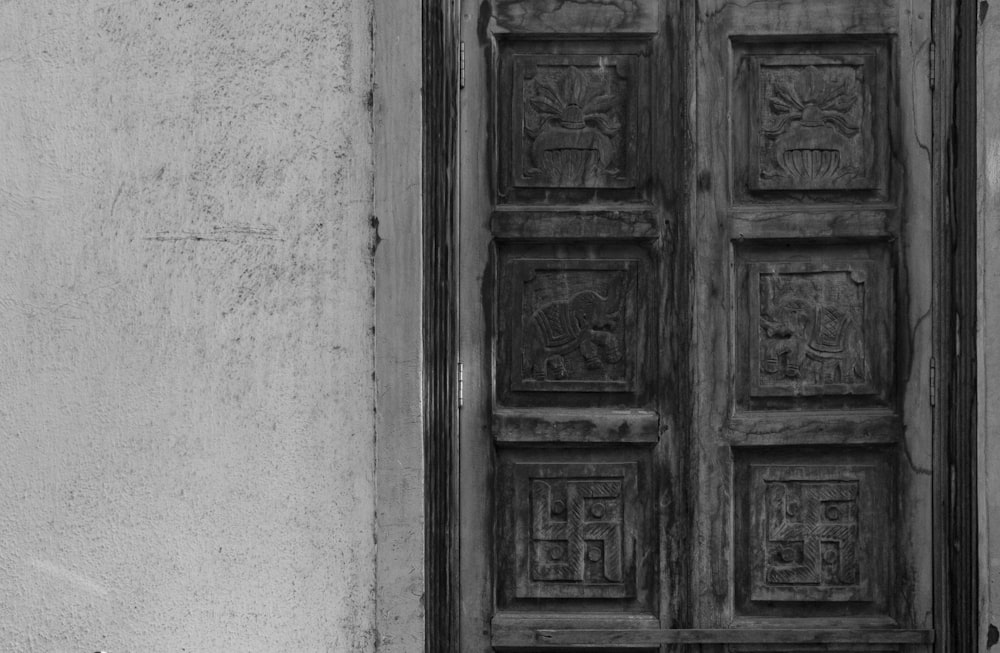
{"type": "Point", "coordinates": [654, 637]}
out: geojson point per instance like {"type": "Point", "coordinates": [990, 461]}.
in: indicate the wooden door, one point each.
{"type": "Point", "coordinates": [695, 278]}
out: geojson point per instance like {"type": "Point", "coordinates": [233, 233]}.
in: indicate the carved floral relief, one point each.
{"type": "Point", "coordinates": [572, 129]}
{"type": "Point", "coordinates": [817, 121]}
{"type": "Point", "coordinates": [811, 132]}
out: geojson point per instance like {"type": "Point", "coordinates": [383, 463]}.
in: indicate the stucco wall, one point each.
{"type": "Point", "coordinates": [186, 429]}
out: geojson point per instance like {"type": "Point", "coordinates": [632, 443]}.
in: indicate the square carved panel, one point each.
{"type": "Point", "coordinates": [573, 118]}
{"type": "Point", "coordinates": [806, 533]}
{"type": "Point", "coordinates": [817, 324]}
{"type": "Point", "coordinates": [814, 528]}
{"type": "Point", "coordinates": [575, 526]}
{"type": "Point", "coordinates": [813, 116]}
{"type": "Point", "coordinates": [572, 329]}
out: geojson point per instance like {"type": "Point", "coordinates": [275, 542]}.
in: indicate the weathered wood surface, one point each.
{"type": "Point", "coordinates": [576, 16]}
{"type": "Point", "coordinates": [399, 364]}
{"type": "Point", "coordinates": [590, 224]}
{"type": "Point", "coordinates": [809, 222]}
{"type": "Point", "coordinates": [776, 428]}
{"type": "Point", "coordinates": [512, 426]}
{"type": "Point", "coordinates": [601, 638]}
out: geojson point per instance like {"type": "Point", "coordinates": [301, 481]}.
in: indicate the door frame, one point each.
{"type": "Point", "coordinates": [956, 558]}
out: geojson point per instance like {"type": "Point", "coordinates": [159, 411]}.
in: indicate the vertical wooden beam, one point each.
{"type": "Point", "coordinates": [962, 590]}
{"type": "Point", "coordinates": [440, 122]}
{"type": "Point", "coordinates": [398, 252]}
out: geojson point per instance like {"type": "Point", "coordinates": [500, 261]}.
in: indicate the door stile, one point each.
{"type": "Point", "coordinates": [755, 436]}
{"type": "Point", "coordinates": [475, 455]}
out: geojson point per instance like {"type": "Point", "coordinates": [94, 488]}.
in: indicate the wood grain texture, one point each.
{"type": "Point", "coordinates": [590, 224]}
{"type": "Point", "coordinates": [810, 428]}
{"type": "Point", "coordinates": [600, 638]}
{"type": "Point", "coordinates": [439, 320]}
{"type": "Point", "coordinates": [830, 224]}
{"type": "Point", "coordinates": [576, 16]}
{"type": "Point", "coordinates": [512, 426]}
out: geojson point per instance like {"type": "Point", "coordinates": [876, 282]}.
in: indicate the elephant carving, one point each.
{"type": "Point", "coordinates": [812, 335]}
{"type": "Point", "coordinates": [585, 322]}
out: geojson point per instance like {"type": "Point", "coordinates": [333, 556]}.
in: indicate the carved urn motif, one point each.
{"type": "Point", "coordinates": [571, 126]}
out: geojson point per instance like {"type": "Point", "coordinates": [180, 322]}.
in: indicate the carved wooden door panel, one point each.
{"type": "Point", "coordinates": [694, 260]}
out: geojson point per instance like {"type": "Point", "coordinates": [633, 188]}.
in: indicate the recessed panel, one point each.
{"type": "Point", "coordinates": [814, 326]}
{"type": "Point", "coordinates": [805, 543]}
{"type": "Point", "coordinates": [812, 117]}
{"type": "Point", "coordinates": [571, 539]}
{"type": "Point", "coordinates": [575, 526]}
{"type": "Point", "coordinates": [573, 119]}
{"type": "Point", "coordinates": [572, 327]}
{"type": "Point", "coordinates": [813, 530]}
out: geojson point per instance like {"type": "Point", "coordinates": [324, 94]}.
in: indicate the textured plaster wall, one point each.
{"type": "Point", "coordinates": [186, 427]}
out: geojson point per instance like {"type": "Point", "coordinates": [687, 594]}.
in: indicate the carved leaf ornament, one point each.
{"type": "Point", "coordinates": [573, 122]}
{"type": "Point", "coordinates": [814, 101]}
{"type": "Point", "coordinates": [812, 119]}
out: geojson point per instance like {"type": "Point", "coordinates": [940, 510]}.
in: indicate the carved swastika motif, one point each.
{"type": "Point", "coordinates": [575, 530]}
{"type": "Point", "coordinates": [812, 533]}
{"type": "Point", "coordinates": [810, 530]}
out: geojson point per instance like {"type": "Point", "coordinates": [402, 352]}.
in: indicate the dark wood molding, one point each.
{"type": "Point", "coordinates": [440, 130]}
{"type": "Point", "coordinates": [962, 590]}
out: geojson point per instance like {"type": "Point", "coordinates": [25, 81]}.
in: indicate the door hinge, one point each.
{"type": "Point", "coordinates": [461, 64]}
{"type": "Point", "coordinates": [461, 384]}
{"type": "Point", "coordinates": [933, 64]}
{"type": "Point", "coordinates": [933, 381]}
